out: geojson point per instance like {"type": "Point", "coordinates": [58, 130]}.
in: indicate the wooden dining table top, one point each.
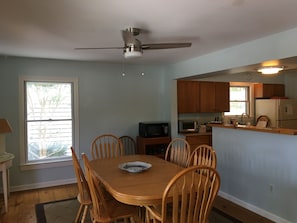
{"type": "Point", "coordinates": [144, 188]}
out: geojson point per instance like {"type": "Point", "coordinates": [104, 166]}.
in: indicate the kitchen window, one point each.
{"type": "Point", "coordinates": [49, 121]}
{"type": "Point", "coordinates": [239, 100]}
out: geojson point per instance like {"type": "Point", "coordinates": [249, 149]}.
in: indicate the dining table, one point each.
{"type": "Point", "coordinates": [141, 188]}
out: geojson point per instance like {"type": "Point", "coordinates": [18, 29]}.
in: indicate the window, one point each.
{"type": "Point", "coordinates": [49, 119]}
{"type": "Point", "coordinates": [239, 100]}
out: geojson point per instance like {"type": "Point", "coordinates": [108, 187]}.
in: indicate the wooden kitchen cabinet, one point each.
{"type": "Point", "coordinates": [269, 90]}
{"type": "Point", "coordinates": [197, 140]}
{"type": "Point", "coordinates": [207, 96]}
{"type": "Point", "coordinates": [214, 97]}
{"type": "Point", "coordinates": [222, 96]}
{"type": "Point", "coordinates": [188, 96]}
{"type": "Point", "coordinates": [198, 96]}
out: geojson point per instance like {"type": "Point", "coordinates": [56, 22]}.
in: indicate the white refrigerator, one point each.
{"type": "Point", "coordinates": [281, 112]}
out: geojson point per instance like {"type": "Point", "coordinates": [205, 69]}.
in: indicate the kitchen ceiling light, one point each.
{"type": "Point", "coordinates": [270, 70]}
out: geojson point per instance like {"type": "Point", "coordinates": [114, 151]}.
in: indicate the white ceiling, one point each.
{"type": "Point", "coordinates": [53, 28]}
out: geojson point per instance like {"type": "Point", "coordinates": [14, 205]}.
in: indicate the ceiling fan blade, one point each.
{"type": "Point", "coordinates": [99, 48]}
{"type": "Point", "coordinates": [157, 46]}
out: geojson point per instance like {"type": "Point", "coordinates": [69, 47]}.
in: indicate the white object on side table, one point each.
{"type": "Point", "coordinates": [5, 163]}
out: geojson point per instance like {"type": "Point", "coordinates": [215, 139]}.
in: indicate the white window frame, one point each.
{"type": "Point", "coordinates": [251, 97]}
{"type": "Point", "coordinates": [25, 165]}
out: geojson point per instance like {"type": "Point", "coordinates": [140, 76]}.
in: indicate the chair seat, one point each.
{"type": "Point", "coordinates": [84, 198]}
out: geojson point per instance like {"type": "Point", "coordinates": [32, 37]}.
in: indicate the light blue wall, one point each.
{"type": "Point", "coordinates": [259, 169]}
{"type": "Point", "coordinates": [108, 103]}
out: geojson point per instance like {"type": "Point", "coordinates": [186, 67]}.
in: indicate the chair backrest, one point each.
{"type": "Point", "coordinates": [129, 145]}
{"type": "Point", "coordinates": [178, 151]}
{"type": "Point", "coordinates": [203, 155]}
{"type": "Point", "coordinates": [82, 184]}
{"type": "Point", "coordinates": [99, 208]}
{"type": "Point", "coordinates": [189, 196]}
{"type": "Point", "coordinates": [106, 146]}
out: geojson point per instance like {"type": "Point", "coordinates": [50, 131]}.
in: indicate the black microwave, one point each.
{"type": "Point", "coordinates": [153, 129]}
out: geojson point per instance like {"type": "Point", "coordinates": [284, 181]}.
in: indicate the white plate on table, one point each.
{"type": "Point", "coordinates": [135, 167]}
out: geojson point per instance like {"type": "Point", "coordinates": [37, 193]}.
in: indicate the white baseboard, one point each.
{"type": "Point", "coordinates": [253, 208]}
{"type": "Point", "coordinates": [42, 185]}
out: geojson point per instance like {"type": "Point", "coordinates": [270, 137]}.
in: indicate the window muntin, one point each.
{"type": "Point", "coordinates": [49, 120]}
{"type": "Point", "coordinates": [239, 100]}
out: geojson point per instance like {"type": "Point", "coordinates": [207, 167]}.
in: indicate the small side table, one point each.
{"type": "Point", "coordinates": [5, 163]}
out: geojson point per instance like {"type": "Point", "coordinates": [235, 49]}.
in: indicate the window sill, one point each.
{"type": "Point", "coordinates": [46, 164]}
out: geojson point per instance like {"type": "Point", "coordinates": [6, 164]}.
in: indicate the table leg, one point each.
{"type": "Point", "coordinates": [8, 183]}
{"type": "Point", "coordinates": [4, 181]}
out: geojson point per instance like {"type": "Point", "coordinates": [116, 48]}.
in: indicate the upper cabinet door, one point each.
{"type": "Point", "coordinates": [207, 97]}
{"type": "Point", "coordinates": [222, 97]}
{"type": "Point", "coordinates": [188, 96]}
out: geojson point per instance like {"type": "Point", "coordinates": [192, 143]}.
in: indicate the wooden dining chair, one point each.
{"type": "Point", "coordinates": [188, 197]}
{"type": "Point", "coordinates": [106, 209]}
{"type": "Point", "coordinates": [106, 146]}
{"type": "Point", "coordinates": [203, 155]}
{"type": "Point", "coordinates": [83, 196]}
{"type": "Point", "coordinates": [129, 144]}
{"type": "Point", "coordinates": [178, 151]}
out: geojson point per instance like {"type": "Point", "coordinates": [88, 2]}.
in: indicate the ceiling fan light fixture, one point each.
{"type": "Point", "coordinates": [270, 70]}
{"type": "Point", "coordinates": [132, 52]}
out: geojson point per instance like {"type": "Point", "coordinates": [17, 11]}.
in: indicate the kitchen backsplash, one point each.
{"type": "Point", "coordinates": [202, 118]}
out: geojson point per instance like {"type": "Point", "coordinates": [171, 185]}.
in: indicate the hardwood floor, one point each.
{"type": "Point", "coordinates": [21, 207]}
{"type": "Point", "coordinates": [241, 214]}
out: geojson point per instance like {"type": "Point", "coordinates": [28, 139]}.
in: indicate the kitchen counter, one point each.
{"type": "Point", "coordinates": [196, 133]}
{"type": "Point", "coordinates": [258, 129]}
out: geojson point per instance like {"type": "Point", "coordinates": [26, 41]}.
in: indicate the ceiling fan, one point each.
{"type": "Point", "coordinates": [134, 48]}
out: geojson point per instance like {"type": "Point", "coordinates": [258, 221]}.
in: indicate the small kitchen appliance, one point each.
{"type": "Point", "coordinates": [153, 129]}
{"type": "Point", "coordinates": [187, 126]}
